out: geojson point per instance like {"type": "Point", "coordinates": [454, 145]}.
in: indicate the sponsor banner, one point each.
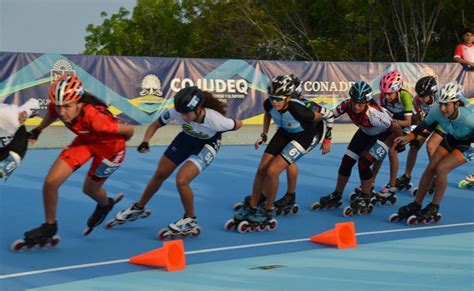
{"type": "Point", "coordinates": [138, 89]}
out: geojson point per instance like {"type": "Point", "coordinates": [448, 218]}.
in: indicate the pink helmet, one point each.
{"type": "Point", "coordinates": [391, 82]}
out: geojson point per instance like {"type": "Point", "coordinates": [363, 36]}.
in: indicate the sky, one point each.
{"type": "Point", "coordinates": [51, 26]}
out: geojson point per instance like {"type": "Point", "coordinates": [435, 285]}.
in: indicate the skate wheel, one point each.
{"type": "Point", "coordinates": [348, 211]}
{"type": "Point", "coordinates": [409, 186]}
{"type": "Point", "coordinates": [462, 184]}
{"type": "Point", "coordinates": [87, 231]}
{"type": "Point", "coordinates": [414, 191]}
{"type": "Point", "coordinates": [196, 232]}
{"type": "Point", "coordinates": [163, 234]}
{"type": "Point", "coordinates": [252, 228]}
{"type": "Point", "coordinates": [295, 209]}
{"type": "Point", "coordinates": [438, 217]}
{"type": "Point", "coordinates": [229, 225]}
{"type": "Point", "coordinates": [394, 199]}
{"type": "Point", "coordinates": [55, 241]}
{"type": "Point", "coordinates": [243, 226]}
{"type": "Point", "coordinates": [370, 209]}
{"type": "Point", "coordinates": [272, 224]}
{"type": "Point", "coordinates": [111, 224]}
{"type": "Point", "coordinates": [394, 218]}
{"type": "Point", "coordinates": [18, 245]}
{"type": "Point", "coordinates": [352, 196]}
{"type": "Point", "coordinates": [262, 227]}
{"type": "Point", "coordinates": [238, 206]}
{"type": "Point", "coordinates": [412, 220]}
{"type": "Point", "coordinates": [315, 205]}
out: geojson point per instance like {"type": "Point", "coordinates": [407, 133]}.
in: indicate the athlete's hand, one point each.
{"type": "Point", "coordinates": [33, 135]}
{"type": "Point", "coordinates": [263, 139]}
{"type": "Point", "coordinates": [144, 147]}
{"type": "Point", "coordinates": [402, 140]}
{"type": "Point", "coordinates": [326, 147]}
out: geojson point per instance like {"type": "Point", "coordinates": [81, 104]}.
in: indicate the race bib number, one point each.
{"type": "Point", "coordinates": [379, 150]}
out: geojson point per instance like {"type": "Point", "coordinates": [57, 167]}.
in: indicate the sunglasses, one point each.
{"type": "Point", "coordinates": [277, 98]}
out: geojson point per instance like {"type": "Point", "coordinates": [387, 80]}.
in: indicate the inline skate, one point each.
{"type": "Point", "coordinates": [182, 228]}
{"type": "Point", "coordinates": [286, 205]}
{"type": "Point", "coordinates": [128, 215]}
{"type": "Point", "coordinates": [468, 182]}
{"type": "Point", "coordinates": [386, 194]}
{"type": "Point", "coordinates": [333, 200]}
{"type": "Point", "coordinates": [246, 202]}
{"type": "Point", "coordinates": [251, 220]}
{"type": "Point", "coordinates": [429, 214]}
{"type": "Point", "coordinates": [100, 213]}
{"type": "Point", "coordinates": [403, 183]}
{"type": "Point", "coordinates": [405, 212]}
{"type": "Point", "coordinates": [357, 190]}
{"type": "Point", "coordinates": [44, 235]}
{"type": "Point", "coordinates": [360, 205]}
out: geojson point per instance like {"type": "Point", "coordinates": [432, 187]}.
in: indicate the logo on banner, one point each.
{"type": "Point", "coordinates": [222, 89]}
{"type": "Point", "coordinates": [61, 67]}
{"type": "Point", "coordinates": [150, 99]}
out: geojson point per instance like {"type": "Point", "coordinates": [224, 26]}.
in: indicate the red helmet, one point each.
{"type": "Point", "coordinates": [66, 89]}
{"type": "Point", "coordinates": [391, 82]}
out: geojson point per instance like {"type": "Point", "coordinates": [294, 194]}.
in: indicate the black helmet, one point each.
{"type": "Point", "coordinates": [188, 99]}
{"type": "Point", "coordinates": [426, 86]}
{"type": "Point", "coordinates": [360, 92]}
{"type": "Point", "coordinates": [285, 85]}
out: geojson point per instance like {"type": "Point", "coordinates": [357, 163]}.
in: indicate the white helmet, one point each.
{"type": "Point", "coordinates": [450, 92]}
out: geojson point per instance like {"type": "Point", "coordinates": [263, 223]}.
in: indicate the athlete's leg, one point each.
{"type": "Point", "coordinates": [164, 169]}
{"type": "Point", "coordinates": [58, 173]}
{"type": "Point", "coordinates": [444, 167]}
{"type": "Point", "coordinates": [185, 175]}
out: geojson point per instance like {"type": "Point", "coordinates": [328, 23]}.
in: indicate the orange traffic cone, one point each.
{"type": "Point", "coordinates": [171, 256]}
{"type": "Point", "coordinates": [343, 236]}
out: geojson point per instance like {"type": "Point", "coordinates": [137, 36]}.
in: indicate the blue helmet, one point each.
{"type": "Point", "coordinates": [360, 92]}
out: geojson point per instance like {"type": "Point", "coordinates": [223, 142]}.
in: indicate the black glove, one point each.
{"type": "Point", "coordinates": [34, 133]}
{"type": "Point", "coordinates": [263, 138]}
{"type": "Point", "coordinates": [143, 146]}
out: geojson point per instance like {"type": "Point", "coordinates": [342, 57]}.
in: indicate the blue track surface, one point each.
{"type": "Point", "coordinates": [216, 190]}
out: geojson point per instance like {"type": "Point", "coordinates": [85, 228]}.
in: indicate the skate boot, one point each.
{"type": "Point", "coordinates": [403, 183]}
{"type": "Point", "coordinates": [262, 220]}
{"type": "Point", "coordinates": [360, 206]}
{"type": "Point", "coordinates": [468, 182]}
{"type": "Point", "coordinates": [100, 213]}
{"type": "Point", "coordinates": [39, 237]}
{"type": "Point", "coordinates": [246, 202]}
{"type": "Point", "coordinates": [182, 228]}
{"type": "Point", "coordinates": [333, 200]}
{"type": "Point", "coordinates": [387, 193]}
{"type": "Point", "coordinates": [128, 215]}
{"type": "Point", "coordinates": [286, 205]}
{"type": "Point", "coordinates": [358, 190]}
{"type": "Point", "coordinates": [240, 217]}
{"type": "Point", "coordinates": [429, 214]}
{"type": "Point", "coordinates": [405, 212]}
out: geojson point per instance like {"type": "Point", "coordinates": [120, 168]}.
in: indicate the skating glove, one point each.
{"type": "Point", "coordinates": [144, 147]}
{"type": "Point", "coordinates": [34, 133]}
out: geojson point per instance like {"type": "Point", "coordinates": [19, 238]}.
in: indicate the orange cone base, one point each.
{"type": "Point", "coordinates": [171, 256]}
{"type": "Point", "coordinates": [343, 236]}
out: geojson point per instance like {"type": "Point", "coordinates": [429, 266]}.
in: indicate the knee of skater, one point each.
{"type": "Point", "coordinates": [182, 182]}
{"type": "Point", "coordinates": [159, 177]}
{"type": "Point", "coordinates": [261, 171]}
{"type": "Point", "coordinates": [272, 173]}
{"type": "Point", "coordinates": [440, 171]}
{"type": "Point", "coordinates": [50, 184]}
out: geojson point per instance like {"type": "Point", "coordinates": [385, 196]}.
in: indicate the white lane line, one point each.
{"type": "Point", "coordinates": [14, 275]}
